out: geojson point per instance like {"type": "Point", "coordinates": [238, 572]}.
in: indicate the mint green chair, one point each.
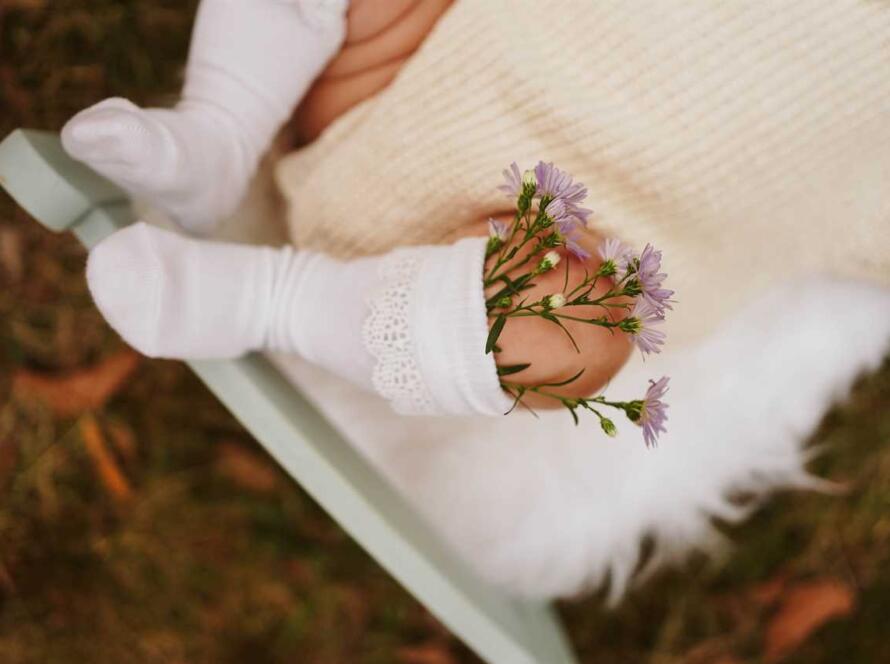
{"type": "Point", "coordinates": [64, 195]}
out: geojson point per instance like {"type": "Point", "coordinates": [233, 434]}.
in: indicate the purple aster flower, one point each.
{"type": "Point", "coordinates": [556, 184]}
{"type": "Point", "coordinates": [653, 413]}
{"type": "Point", "coordinates": [513, 181]}
{"type": "Point", "coordinates": [641, 326]}
{"type": "Point", "coordinates": [498, 229]}
{"type": "Point", "coordinates": [566, 227]}
{"type": "Point", "coordinates": [576, 249]}
{"type": "Point", "coordinates": [649, 277]}
{"type": "Point", "coordinates": [616, 255]}
{"type": "Point", "coordinates": [559, 212]}
{"type": "Point", "coordinates": [565, 220]}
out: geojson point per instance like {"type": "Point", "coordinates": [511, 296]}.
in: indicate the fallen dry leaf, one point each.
{"type": "Point", "coordinates": [106, 467]}
{"type": "Point", "coordinates": [11, 261]}
{"type": "Point", "coordinates": [9, 459]}
{"type": "Point", "coordinates": [246, 469]}
{"type": "Point", "coordinates": [7, 583]}
{"type": "Point", "coordinates": [429, 653]}
{"type": "Point", "coordinates": [301, 573]}
{"type": "Point", "coordinates": [32, 5]}
{"type": "Point", "coordinates": [124, 440]}
{"type": "Point", "coordinates": [803, 609]}
{"type": "Point", "coordinates": [712, 651]}
{"type": "Point", "coordinates": [769, 592]}
{"type": "Point", "coordinates": [79, 391]}
{"type": "Point", "coordinates": [18, 101]}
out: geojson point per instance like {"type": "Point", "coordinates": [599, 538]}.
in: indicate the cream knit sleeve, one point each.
{"type": "Point", "coordinates": [749, 140]}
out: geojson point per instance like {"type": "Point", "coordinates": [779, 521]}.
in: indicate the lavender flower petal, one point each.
{"type": "Point", "coordinates": [653, 414]}
{"type": "Point", "coordinates": [513, 181]}
{"type": "Point", "coordinates": [576, 249]}
{"type": "Point", "coordinates": [558, 185]}
{"type": "Point", "coordinates": [499, 229]}
{"type": "Point", "coordinates": [650, 278]}
{"type": "Point", "coordinates": [617, 253]}
{"type": "Point", "coordinates": [557, 211]}
{"type": "Point", "coordinates": [642, 324]}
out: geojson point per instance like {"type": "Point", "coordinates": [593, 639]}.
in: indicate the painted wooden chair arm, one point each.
{"type": "Point", "coordinates": [63, 194]}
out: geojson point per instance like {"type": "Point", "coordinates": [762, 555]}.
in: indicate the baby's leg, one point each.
{"type": "Point", "coordinates": [250, 62]}
{"type": "Point", "coordinates": [410, 324]}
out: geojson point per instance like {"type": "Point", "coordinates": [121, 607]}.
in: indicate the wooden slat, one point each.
{"type": "Point", "coordinates": [47, 183]}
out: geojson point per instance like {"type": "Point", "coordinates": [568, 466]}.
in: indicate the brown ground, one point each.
{"type": "Point", "coordinates": [140, 523]}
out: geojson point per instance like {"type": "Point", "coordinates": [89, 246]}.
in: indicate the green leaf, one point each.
{"type": "Point", "coordinates": [564, 382]}
{"type": "Point", "coordinates": [553, 319]}
{"type": "Point", "coordinates": [517, 398]}
{"type": "Point", "coordinates": [512, 369]}
{"type": "Point", "coordinates": [495, 332]}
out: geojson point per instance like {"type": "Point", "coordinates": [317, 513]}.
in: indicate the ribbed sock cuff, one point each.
{"type": "Point", "coordinates": [450, 327]}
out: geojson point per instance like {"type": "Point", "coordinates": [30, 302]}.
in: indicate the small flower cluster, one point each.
{"type": "Point", "coordinates": [549, 216]}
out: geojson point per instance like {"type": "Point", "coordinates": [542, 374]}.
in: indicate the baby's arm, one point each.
{"type": "Point", "coordinates": [381, 36]}
{"type": "Point", "coordinates": [410, 324]}
{"type": "Point", "coordinates": [553, 358]}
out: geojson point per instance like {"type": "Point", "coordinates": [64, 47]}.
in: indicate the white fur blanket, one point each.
{"type": "Point", "coordinates": [545, 508]}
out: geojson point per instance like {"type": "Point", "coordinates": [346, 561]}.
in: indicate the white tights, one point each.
{"type": "Point", "coordinates": [250, 63]}
{"type": "Point", "coordinates": [410, 325]}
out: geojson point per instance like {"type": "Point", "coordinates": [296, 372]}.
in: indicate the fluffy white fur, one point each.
{"type": "Point", "coordinates": [547, 509]}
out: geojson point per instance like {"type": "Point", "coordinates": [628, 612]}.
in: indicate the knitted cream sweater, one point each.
{"type": "Point", "coordinates": [749, 140]}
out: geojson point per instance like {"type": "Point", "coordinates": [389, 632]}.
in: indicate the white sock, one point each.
{"type": "Point", "coordinates": [410, 324]}
{"type": "Point", "coordinates": [250, 63]}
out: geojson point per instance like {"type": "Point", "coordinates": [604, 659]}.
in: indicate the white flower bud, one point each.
{"type": "Point", "coordinates": [529, 179]}
{"type": "Point", "coordinates": [550, 260]}
{"type": "Point", "coordinates": [609, 427]}
{"type": "Point", "coordinates": [554, 300]}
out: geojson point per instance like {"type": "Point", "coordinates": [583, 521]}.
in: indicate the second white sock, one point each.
{"type": "Point", "coordinates": [250, 62]}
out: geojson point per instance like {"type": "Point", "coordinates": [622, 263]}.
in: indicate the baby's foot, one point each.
{"type": "Point", "coordinates": [188, 161]}
{"type": "Point", "coordinates": [178, 297]}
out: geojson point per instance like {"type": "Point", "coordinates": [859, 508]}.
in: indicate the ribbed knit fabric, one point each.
{"type": "Point", "coordinates": [749, 140]}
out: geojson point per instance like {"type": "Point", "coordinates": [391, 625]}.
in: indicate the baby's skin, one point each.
{"type": "Point", "coordinates": [381, 36]}
{"type": "Point", "coordinates": [194, 161]}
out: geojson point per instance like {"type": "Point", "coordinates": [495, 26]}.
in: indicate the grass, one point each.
{"type": "Point", "coordinates": [216, 556]}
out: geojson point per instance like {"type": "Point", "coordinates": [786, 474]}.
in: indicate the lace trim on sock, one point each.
{"type": "Point", "coordinates": [387, 336]}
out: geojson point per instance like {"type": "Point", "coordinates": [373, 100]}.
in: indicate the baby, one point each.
{"type": "Point", "coordinates": [417, 339]}
{"type": "Point", "coordinates": [748, 140]}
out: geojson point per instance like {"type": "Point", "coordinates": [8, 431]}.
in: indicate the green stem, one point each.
{"type": "Point", "coordinates": [601, 322]}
